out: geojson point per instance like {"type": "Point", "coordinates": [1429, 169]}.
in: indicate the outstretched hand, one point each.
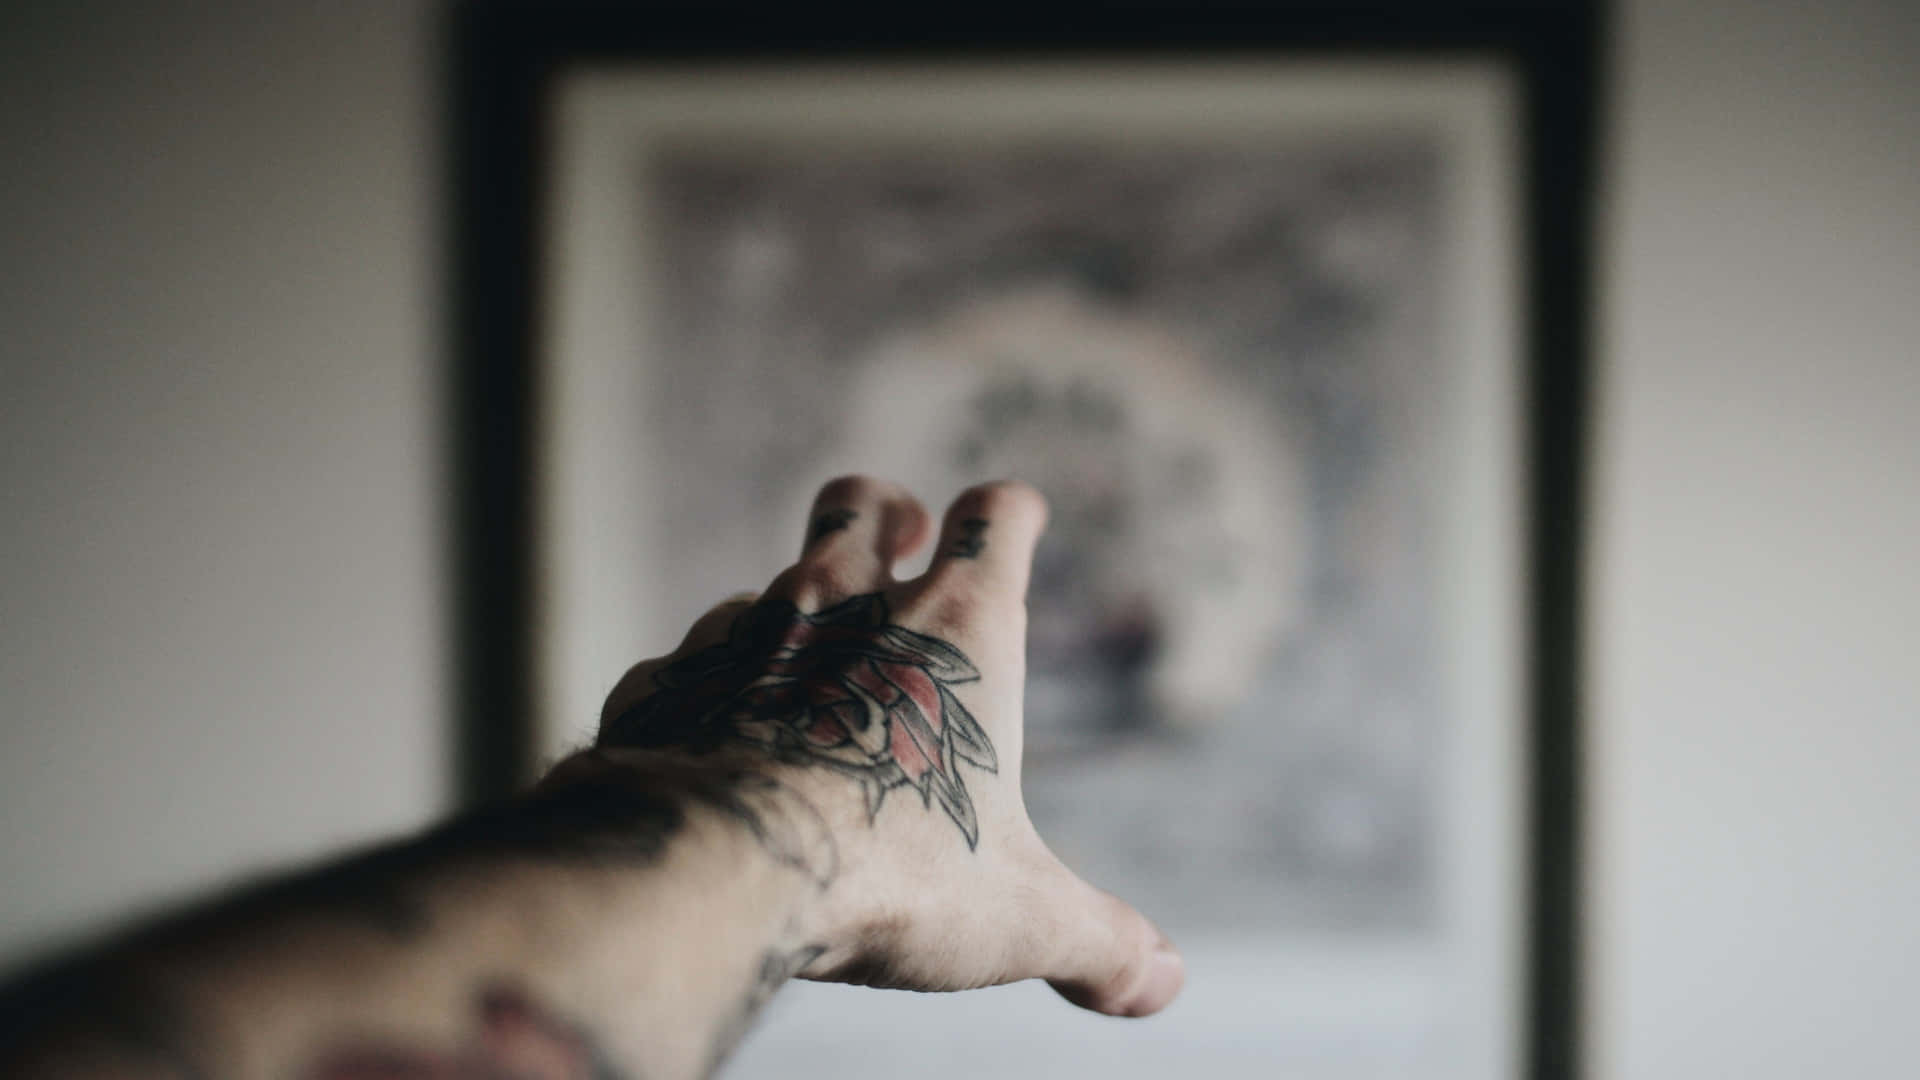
{"type": "Point", "coordinates": [893, 710]}
{"type": "Point", "coordinates": [821, 781]}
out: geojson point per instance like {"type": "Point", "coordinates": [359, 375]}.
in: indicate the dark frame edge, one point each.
{"type": "Point", "coordinates": [489, 123]}
{"type": "Point", "coordinates": [1562, 132]}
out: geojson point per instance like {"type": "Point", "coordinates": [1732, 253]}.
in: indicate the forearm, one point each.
{"type": "Point", "coordinates": [621, 921]}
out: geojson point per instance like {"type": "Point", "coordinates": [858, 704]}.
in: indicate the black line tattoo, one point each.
{"type": "Point", "coordinates": [831, 521]}
{"type": "Point", "coordinates": [776, 967]}
{"type": "Point", "coordinates": [971, 541]}
{"type": "Point", "coordinates": [843, 689]}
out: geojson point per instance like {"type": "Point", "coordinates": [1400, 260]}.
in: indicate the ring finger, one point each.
{"type": "Point", "coordinates": [858, 528]}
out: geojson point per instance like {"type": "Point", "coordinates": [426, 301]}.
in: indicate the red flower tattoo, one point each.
{"type": "Point", "coordinates": [841, 688]}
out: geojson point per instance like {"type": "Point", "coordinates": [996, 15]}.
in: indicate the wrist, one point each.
{"type": "Point", "coordinates": [730, 905]}
{"type": "Point", "coordinates": [753, 814]}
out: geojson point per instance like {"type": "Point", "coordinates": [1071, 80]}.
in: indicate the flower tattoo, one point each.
{"type": "Point", "coordinates": [841, 688]}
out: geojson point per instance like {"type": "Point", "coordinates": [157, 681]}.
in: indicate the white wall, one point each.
{"type": "Point", "coordinates": [220, 603]}
{"type": "Point", "coordinates": [219, 613]}
{"type": "Point", "coordinates": [1756, 724]}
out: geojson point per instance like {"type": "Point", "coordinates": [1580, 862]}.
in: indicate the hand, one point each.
{"type": "Point", "coordinates": [893, 710]}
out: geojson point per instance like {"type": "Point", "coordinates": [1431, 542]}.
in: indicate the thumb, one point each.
{"type": "Point", "coordinates": [1108, 957]}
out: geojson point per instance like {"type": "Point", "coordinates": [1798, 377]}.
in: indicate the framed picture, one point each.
{"type": "Point", "coordinates": [1274, 329]}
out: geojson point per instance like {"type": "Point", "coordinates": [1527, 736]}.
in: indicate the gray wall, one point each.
{"type": "Point", "coordinates": [1756, 635]}
{"type": "Point", "coordinates": [220, 608]}
{"type": "Point", "coordinates": [221, 602]}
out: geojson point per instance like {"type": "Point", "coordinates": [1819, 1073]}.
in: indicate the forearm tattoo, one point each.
{"type": "Point", "coordinates": [622, 817]}
{"type": "Point", "coordinates": [843, 689]}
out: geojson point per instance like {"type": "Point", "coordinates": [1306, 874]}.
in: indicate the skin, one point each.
{"type": "Point", "coordinates": [822, 782]}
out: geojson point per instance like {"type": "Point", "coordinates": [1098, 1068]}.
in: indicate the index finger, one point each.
{"type": "Point", "coordinates": [987, 540]}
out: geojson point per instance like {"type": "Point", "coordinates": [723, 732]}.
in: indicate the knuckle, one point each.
{"type": "Point", "coordinates": [723, 613]}
{"type": "Point", "coordinates": [713, 625]}
{"type": "Point", "coordinates": [949, 596]}
{"type": "Point", "coordinates": [953, 611]}
{"type": "Point", "coordinates": [1122, 978]}
{"type": "Point", "coordinates": [959, 606]}
{"type": "Point", "coordinates": [905, 515]}
{"type": "Point", "coordinates": [1002, 499]}
{"type": "Point", "coordinates": [853, 487]}
{"type": "Point", "coordinates": [783, 585]}
{"type": "Point", "coordinates": [1126, 949]}
{"type": "Point", "coordinates": [811, 579]}
{"type": "Point", "coordinates": [635, 686]}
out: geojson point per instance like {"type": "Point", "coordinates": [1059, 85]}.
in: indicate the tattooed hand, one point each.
{"type": "Point", "coordinates": [820, 782]}
{"type": "Point", "coordinates": [893, 709]}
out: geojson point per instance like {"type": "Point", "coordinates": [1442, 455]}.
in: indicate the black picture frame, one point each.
{"type": "Point", "coordinates": [503, 55]}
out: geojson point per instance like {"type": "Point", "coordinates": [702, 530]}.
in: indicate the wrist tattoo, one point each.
{"type": "Point", "coordinates": [842, 689]}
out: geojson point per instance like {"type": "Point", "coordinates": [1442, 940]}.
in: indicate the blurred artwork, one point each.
{"type": "Point", "coordinates": [1214, 361]}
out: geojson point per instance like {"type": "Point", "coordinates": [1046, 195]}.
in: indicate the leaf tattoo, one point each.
{"type": "Point", "coordinates": [841, 688]}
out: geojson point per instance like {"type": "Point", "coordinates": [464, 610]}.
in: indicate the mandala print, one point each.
{"type": "Point", "coordinates": [842, 688]}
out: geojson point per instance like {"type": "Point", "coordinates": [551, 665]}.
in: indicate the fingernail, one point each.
{"type": "Point", "coordinates": [1166, 974]}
